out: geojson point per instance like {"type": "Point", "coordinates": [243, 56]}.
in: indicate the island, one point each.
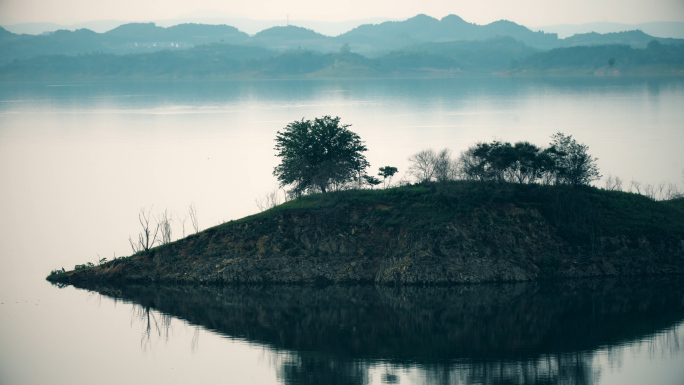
{"type": "Point", "coordinates": [422, 234]}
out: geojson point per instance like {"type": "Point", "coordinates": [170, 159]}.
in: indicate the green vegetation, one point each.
{"type": "Point", "coordinates": [392, 235]}
{"type": "Point", "coordinates": [655, 59]}
{"type": "Point", "coordinates": [436, 59]}
{"type": "Point", "coordinates": [581, 214]}
{"type": "Point", "coordinates": [500, 212]}
{"type": "Point", "coordinates": [54, 273]}
{"type": "Point", "coordinates": [319, 154]}
{"type": "Point", "coordinates": [564, 162]}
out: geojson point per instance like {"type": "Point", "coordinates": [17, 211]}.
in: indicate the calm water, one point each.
{"type": "Point", "coordinates": [79, 160]}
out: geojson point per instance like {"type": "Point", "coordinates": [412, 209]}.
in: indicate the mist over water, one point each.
{"type": "Point", "coordinates": [79, 159]}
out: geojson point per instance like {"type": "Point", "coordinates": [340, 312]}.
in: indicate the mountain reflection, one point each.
{"type": "Point", "coordinates": [526, 333]}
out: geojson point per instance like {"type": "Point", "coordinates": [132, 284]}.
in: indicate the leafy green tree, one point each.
{"type": "Point", "coordinates": [573, 165]}
{"type": "Point", "coordinates": [371, 180]}
{"type": "Point", "coordinates": [317, 155]}
{"type": "Point", "coordinates": [387, 172]}
{"type": "Point", "coordinates": [529, 163]}
{"type": "Point", "coordinates": [487, 161]}
{"type": "Point", "coordinates": [521, 162]}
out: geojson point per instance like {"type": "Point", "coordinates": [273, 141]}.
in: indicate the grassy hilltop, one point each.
{"type": "Point", "coordinates": [434, 233]}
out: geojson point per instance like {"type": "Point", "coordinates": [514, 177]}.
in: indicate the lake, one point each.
{"type": "Point", "coordinates": [78, 160]}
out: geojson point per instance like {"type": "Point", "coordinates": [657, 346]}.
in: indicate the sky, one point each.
{"type": "Point", "coordinates": [525, 12]}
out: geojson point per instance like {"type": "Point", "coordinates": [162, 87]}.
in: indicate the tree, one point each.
{"type": "Point", "coordinates": [443, 166]}
{"type": "Point", "coordinates": [529, 164]}
{"type": "Point", "coordinates": [371, 181]}
{"type": "Point", "coordinates": [164, 221]}
{"type": "Point", "coordinates": [573, 164]}
{"type": "Point", "coordinates": [387, 172]}
{"type": "Point", "coordinates": [423, 165]}
{"type": "Point", "coordinates": [487, 161]}
{"type": "Point", "coordinates": [318, 154]}
{"type": "Point", "coordinates": [521, 162]}
{"type": "Point", "coordinates": [148, 237]}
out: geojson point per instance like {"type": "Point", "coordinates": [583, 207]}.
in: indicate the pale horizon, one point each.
{"type": "Point", "coordinates": [524, 12]}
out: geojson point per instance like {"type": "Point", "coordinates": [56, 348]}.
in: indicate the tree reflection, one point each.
{"type": "Point", "coordinates": [154, 323]}
{"type": "Point", "coordinates": [528, 333]}
{"type": "Point", "coordinates": [308, 368]}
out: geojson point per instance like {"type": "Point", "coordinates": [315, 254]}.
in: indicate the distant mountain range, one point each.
{"type": "Point", "coordinates": [665, 29]}
{"type": "Point", "coordinates": [672, 29]}
{"type": "Point", "coordinates": [421, 43]}
{"type": "Point", "coordinates": [250, 26]}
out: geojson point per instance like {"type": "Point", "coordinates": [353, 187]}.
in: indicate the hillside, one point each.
{"type": "Point", "coordinates": [655, 59]}
{"type": "Point", "coordinates": [422, 29]}
{"type": "Point", "coordinates": [226, 60]}
{"type": "Point", "coordinates": [501, 56]}
{"type": "Point", "coordinates": [459, 232]}
{"type": "Point", "coordinates": [371, 40]}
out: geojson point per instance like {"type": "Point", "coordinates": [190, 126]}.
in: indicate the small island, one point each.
{"type": "Point", "coordinates": [515, 213]}
{"type": "Point", "coordinates": [461, 232]}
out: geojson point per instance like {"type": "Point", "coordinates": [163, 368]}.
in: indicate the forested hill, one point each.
{"type": "Point", "coordinates": [503, 56]}
{"type": "Point", "coordinates": [128, 38]}
{"type": "Point", "coordinates": [657, 59]}
{"type": "Point", "coordinates": [420, 46]}
{"type": "Point", "coordinates": [369, 39]}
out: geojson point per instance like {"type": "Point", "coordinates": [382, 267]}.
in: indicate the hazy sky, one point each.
{"type": "Point", "coordinates": [526, 12]}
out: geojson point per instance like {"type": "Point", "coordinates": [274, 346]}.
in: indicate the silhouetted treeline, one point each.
{"type": "Point", "coordinates": [434, 59]}
{"type": "Point", "coordinates": [655, 58]}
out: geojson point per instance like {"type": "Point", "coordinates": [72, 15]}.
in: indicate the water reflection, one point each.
{"type": "Point", "coordinates": [526, 333]}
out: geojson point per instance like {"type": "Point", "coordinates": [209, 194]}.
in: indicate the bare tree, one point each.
{"type": "Point", "coordinates": [469, 166]}
{"type": "Point", "coordinates": [429, 165]}
{"type": "Point", "coordinates": [182, 222]}
{"type": "Point", "coordinates": [613, 183]}
{"type": "Point", "coordinates": [164, 220]}
{"type": "Point", "coordinates": [268, 201]}
{"type": "Point", "coordinates": [423, 165]}
{"type": "Point", "coordinates": [654, 192]}
{"type": "Point", "coordinates": [148, 236]}
{"type": "Point", "coordinates": [193, 217]}
{"type": "Point", "coordinates": [673, 192]}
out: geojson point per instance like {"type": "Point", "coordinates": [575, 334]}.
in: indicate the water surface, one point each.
{"type": "Point", "coordinates": [78, 160]}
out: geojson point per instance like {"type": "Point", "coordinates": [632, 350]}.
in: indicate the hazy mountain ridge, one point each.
{"type": "Point", "coordinates": [655, 59]}
{"type": "Point", "coordinates": [425, 29]}
{"type": "Point", "coordinates": [420, 45]}
{"type": "Point", "coordinates": [367, 39]}
{"type": "Point", "coordinates": [503, 56]}
{"type": "Point", "coordinates": [663, 29]}
{"type": "Point", "coordinates": [634, 39]}
{"type": "Point", "coordinates": [225, 60]}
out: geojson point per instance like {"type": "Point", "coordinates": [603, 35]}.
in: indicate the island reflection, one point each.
{"type": "Point", "coordinates": [531, 333]}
